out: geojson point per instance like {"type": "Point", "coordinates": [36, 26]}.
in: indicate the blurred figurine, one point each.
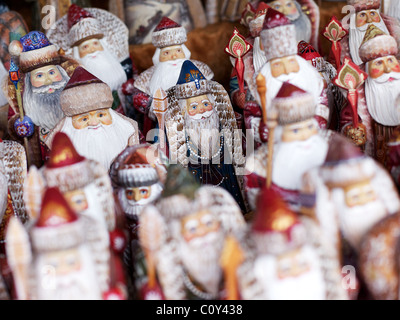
{"type": "Point", "coordinates": [169, 39]}
{"type": "Point", "coordinates": [305, 16]}
{"type": "Point", "coordinates": [284, 64]}
{"type": "Point", "coordinates": [52, 259]}
{"type": "Point", "coordinates": [299, 146]}
{"type": "Point", "coordinates": [138, 175]}
{"type": "Point", "coordinates": [377, 106]}
{"type": "Point", "coordinates": [364, 14]}
{"type": "Point", "coordinates": [182, 236]}
{"type": "Point", "coordinates": [99, 41]}
{"type": "Point", "coordinates": [284, 256]}
{"type": "Point", "coordinates": [96, 130]}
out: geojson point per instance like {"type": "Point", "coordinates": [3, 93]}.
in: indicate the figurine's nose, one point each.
{"type": "Point", "coordinates": [48, 81]}
{"type": "Point", "coordinates": [387, 68]}
{"type": "Point", "coordinates": [369, 19]}
{"type": "Point", "coordinates": [136, 195]}
{"type": "Point", "coordinates": [93, 121]}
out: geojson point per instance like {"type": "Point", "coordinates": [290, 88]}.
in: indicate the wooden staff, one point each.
{"type": "Point", "coordinates": [232, 257]}
{"type": "Point", "coordinates": [160, 106]}
{"type": "Point", "coordinates": [270, 122]}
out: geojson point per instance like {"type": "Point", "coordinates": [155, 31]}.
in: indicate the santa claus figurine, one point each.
{"type": "Point", "coordinates": [364, 14]}
{"type": "Point", "coordinates": [57, 263]}
{"type": "Point", "coordinates": [299, 146]}
{"type": "Point", "coordinates": [284, 256]}
{"type": "Point", "coordinates": [99, 41]}
{"type": "Point", "coordinates": [95, 129]}
{"type": "Point", "coordinates": [45, 73]}
{"type": "Point", "coordinates": [377, 106]}
{"type": "Point", "coordinates": [169, 39]}
{"type": "Point", "coordinates": [304, 14]}
{"type": "Point", "coordinates": [284, 65]}
{"type": "Point", "coordinates": [182, 236]}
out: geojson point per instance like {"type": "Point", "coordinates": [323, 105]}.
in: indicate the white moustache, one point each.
{"type": "Point", "coordinates": [287, 77]}
{"type": "Point", "coordinates": [202, 116]}
{"type": "Point", "coordinates": [45, 89]}
{"type": "Point", "coordinates": [365, 26]}
{"type": "Point", "coordinates": [388, 77]}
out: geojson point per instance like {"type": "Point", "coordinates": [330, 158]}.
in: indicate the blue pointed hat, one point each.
{"type": "Point", "coordinates": [191, 81]}
{"type": "Point", "coordinates": [37, 51]}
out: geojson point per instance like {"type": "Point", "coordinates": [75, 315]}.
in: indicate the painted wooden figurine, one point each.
{"type": "Point", "coordinates": [364, 14]}
{"type": "Point", "coordinates": [182, 236]}
{"type": "Point", "coordinates": [44, 73]}
{"type": "Point", "coordinates": [376, 107]}
{"type": "Point", "coordinates": [281, 256]}
{"type": "Point", "coordinates": [304, 14]}
{"type": "Point", "coordinates": [99, 41]}
{"type": "Point", "coordinates": [90, 120]}
{"type": "Point", "coordinates": [52, 259]}
{"type": "Point", "coordinates": [138, 175]}
{"type": "Point", "coordinates": [202, 132]}
{"type": "Point", "coordinates": [284, 64]}
{"type": "Point", "coordinates": [169, 38]}
{"type": "Point", "coordinates": [87, 188]}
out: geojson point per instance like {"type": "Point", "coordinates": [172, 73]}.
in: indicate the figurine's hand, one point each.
{"type": "Point", "coordinates": [263, 131]}
{"type": "Point", "coordinates": [128, 87]}
{"type": "Point", "coordinates": [357, 135]}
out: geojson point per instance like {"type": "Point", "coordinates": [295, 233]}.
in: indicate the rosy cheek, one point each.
{"type": "Point", "coordinates": [106, 121]}
{"type": "Point", "coordinates": [396, 68]}
{"type": "Point", "coordinates": [375, 73]}
{"type": "Point", "coordinates": [293, 10]}
{"type": "Point", "coordinates": [192, 112]}
{"type": "Point", "coordinates": [58, 77]}
{"type": "Point", "coordinates": [376, 19]}
{"type": "Point", "coordinates": [360, 22]}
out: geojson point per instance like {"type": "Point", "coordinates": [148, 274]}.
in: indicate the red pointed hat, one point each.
{"type": "Point", "coordinates": [308, 52]}
{"type": "Point", "coordinates": [82, 26]}
{"type": "Point", "coordinates": [58, 226]}
{"type": "Point", "coordinates": [66, 168]}
{"type": "Point", "coordinates": [84, 92]}
{"type": "Point", "coordinates": [168, 33]}
{"type": "Point", "coordinates": [63, 152]}
{"type": "Point", "coordinates": [293, 104]}
{"type": "Point", "coordinates": [278, 35]}
{"type": "Point", "coordinates": [55, 210]}
{"type": "Point", "coordinates": [345, 164]}
{"type": "Point", "coordinates": [133, 167]}
{"type": "Point", "coordinates": [256, 24]}
{"type": "Point", "coordinates": [76, 14]}
{"type": "Point", "coordinates": [276, 228]}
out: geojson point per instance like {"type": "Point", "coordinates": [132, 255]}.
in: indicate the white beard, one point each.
{"type": "Point", "coordinates": [259, 58]}
{"type": "Point", "coordinates": [103, 144]}
{"type": "Point", "coordinates": [293, 159]}
{"type": "Point", "coordinates": [302, 25]}
{"type": "Point", "coordinates": [165, 75]}
{"type": "Point", "coordinates": [76, 285]}
{"type": "Point", "coordinates": [308, 286]}
{"type": "Point", "coordinates": [135, 208]}
{"type": "Point", "coordinates": [355, 222]}
{"type": "Point", "coordinates": [356, 36]}
{"type": "Point", "coordinates": [381, 96]}
{"type": "Point", "coordinates": [200, 258]}
{"type": "Point", "coordinates": [204, 133]}
{"type": "Point", "coordinates": [394, 9]}
{"type": "Point", "coordinates": [308, 79]}
{"type": "Point", "coordinates": [104, 66]}
{"type": "Point", "coordinates": [44, 108]}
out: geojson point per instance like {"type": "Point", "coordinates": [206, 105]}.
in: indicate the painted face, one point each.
{"type": "Point", "coordinates": [198, 225]}
{"type": "Point", "coordinates": [64, 262]}
{"type": "Point", "coordinates": [137, 194]}
{"type": "Point", "coordinates": [285, 65]}
{"type": "Point", "coordinates": [89, 46]}
{"type": "Point", "coordinates": [45, 76]}
{"type": "Point", "coordinates": [367, 16]}
{"type": "Point", "coordinates": [92, 119]}
{"type": "Point", "coordinates": [359, 194]}
{"type": "Point", "coordinates": [292, 264]}
{"type": "Point", "coordinates": [77, 200]}
{"type": "Point", "coordinates": [171, 53]}
{"type": "Point", "coordinates": [198, 105]}
{"type": "Point", "coordinates": [287, 7]}
{"type": "Point", "coordinates": [379, 66]}
{"type": "Point", "coordinates": [299, 131]}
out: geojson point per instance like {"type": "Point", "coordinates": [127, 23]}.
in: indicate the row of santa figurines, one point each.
{"type": "Point", "coordinates": [190, 103]}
